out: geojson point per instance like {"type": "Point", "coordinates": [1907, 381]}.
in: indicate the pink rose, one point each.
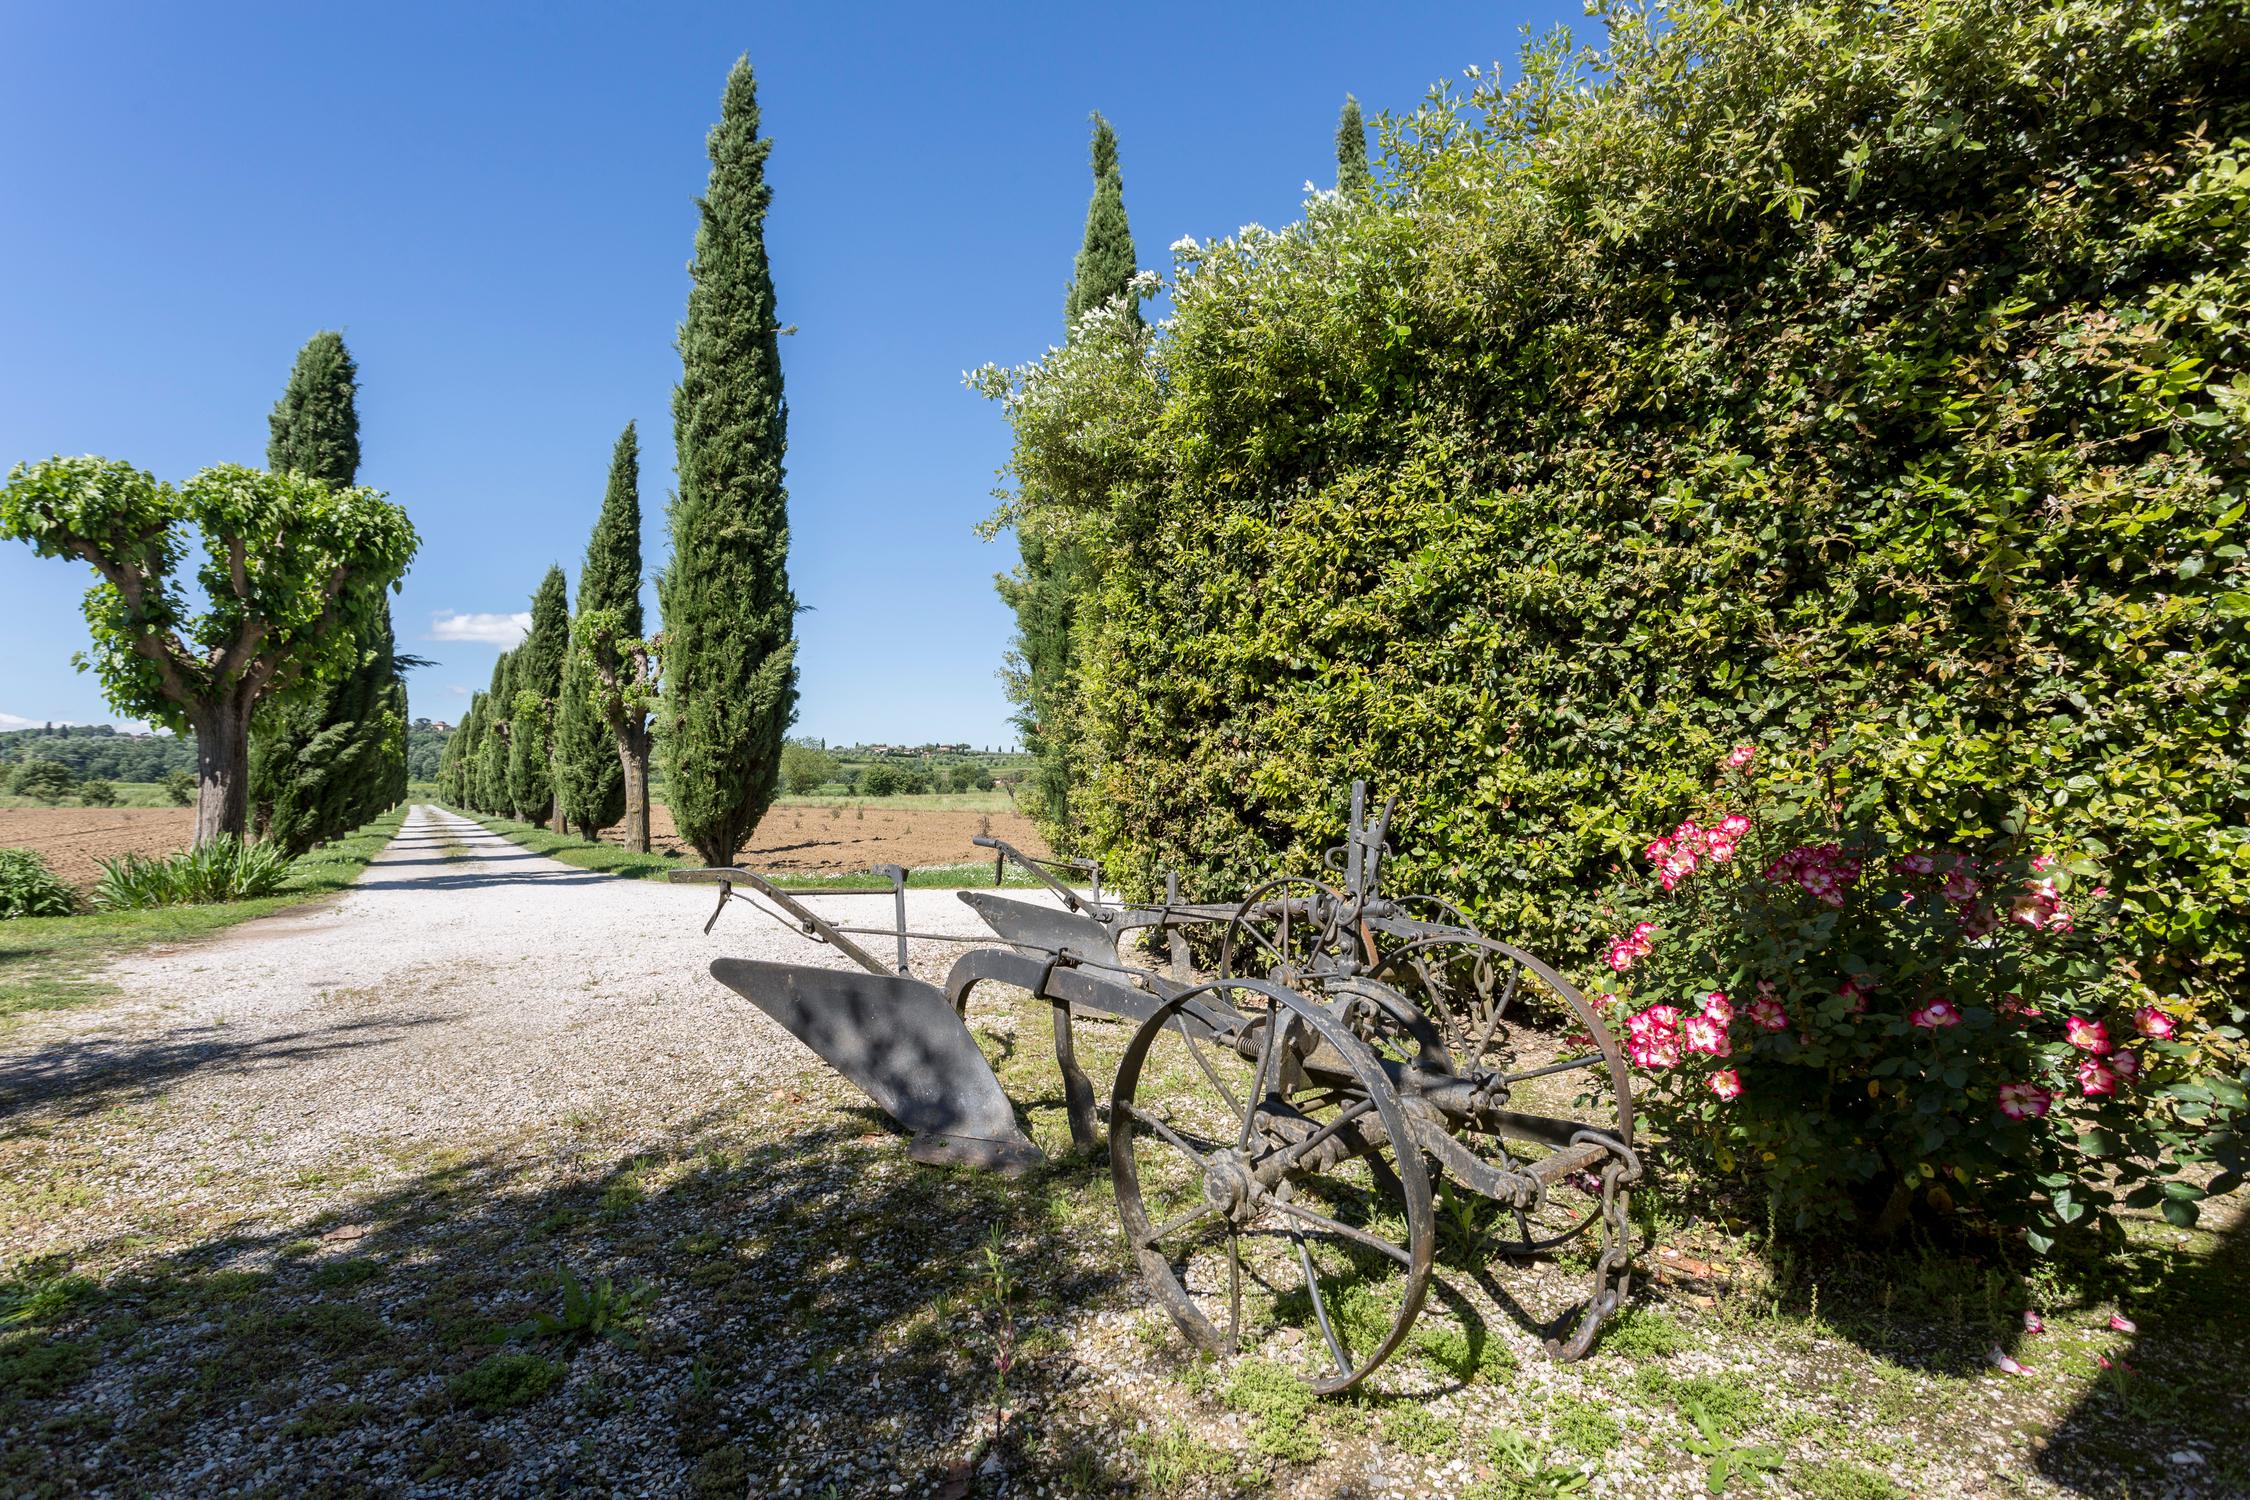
{"type": "Point", "coordinates": [1769, 1015]}
{"type": "Point", "coordinates": [2096, 1076]}
{"type": "Point", "coordinates": [1706, 1036]}
{"type": "Point", "coordinates": [2151, 1022]}
{"type": "Point", "coordinates": [2086, 1036]}
{"type": "Point", "coordinates": [2024, 1101]}
{"type": "Point", "coordinates": [1740, 756]}
{"type": "Point", "coordinates": [1718, 1008]}
{"type": "Point", "coordinates": [1938, 1012]}
{"type": "Point", "coordinates": [1726, 1083]}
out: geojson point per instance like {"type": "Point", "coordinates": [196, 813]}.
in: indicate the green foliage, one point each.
{"type": "Point", "coordinates": [882, 780]}
{"type": "Point", "coordinates": [102, 750]}
{"type": "Point", "coordinates": [321, 766]}
{"type": "Point", "coordinates": [97, 793]}
{"type": "Point", "coordinates": [29, 888]}
{"type": "Point", "coordinates": [1642, 1333]}
{"type": "Point", "coordinates": [1280, 1407]}
{"type": "Point", "coordinates": [1725, 1460]}
{"type": "Point", "coordinates": [1523, 1472]}
{"type": "Point", "coordinates": [596, 1310]}
{"type": "Point", "coordinates": [502, 1382]}
{"type": "Point", "coordinates": [1801, 373]}
{"type": "Point", "coordinates": [538, 685]}
{"type": "Point", "coordinates": [44, 780]}
{"type": "Point", "coordinates": [179, 788]}
{"type": "Point", "coordinates": [1106, 261]}
{"type": "Point", "coordinates": [1352, 175]}
{"type": "Point", "coordinates": [293, 570]}
{"type": "Point", "coordinates": [1414, 1428]}
{"type": "Point", "coordinates": [729, 616]}
{"type": "Point", "coordinates": [805, 769]}
{"type": "Point", "coordinates": [225, 868]}
{"type": "Point", "coordinates": [1942, 1020]}
{"type": "Point", "coordinates": [1584, 1427]}
{"type": "Point", "coordinates": [589, 775]}
{"type": "Point", "coordinates": [488, 778]}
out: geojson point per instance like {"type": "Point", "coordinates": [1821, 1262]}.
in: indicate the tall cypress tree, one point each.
{"type": "Point", "coordinates": [1105, 258]}
{"type": "Point", "coordinates": [489, 780]}
{"type": "Point", "coordinates": [729, 617]}
{"type": "Point", "coordinates": [323, 765]}
{"type": "Point", "coordinates": [1352, 175]}
{"type": "Point", "coordinates": [592, 758]}
{"type": "Point", "coordinates": [538, 683]}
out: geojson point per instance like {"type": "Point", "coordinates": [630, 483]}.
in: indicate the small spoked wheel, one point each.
{"type": "Point", "coordinates": [1285, 931]}
{"type": "Point", "coordinates": [1531, 1041]}
{"type": "Point", "coordinates": [1260, 1184]}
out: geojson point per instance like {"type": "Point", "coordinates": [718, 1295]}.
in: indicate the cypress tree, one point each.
{"type": "Point", "coordinates": [321, 766]}
{"type": "Point", "coordinates": [538, 683]}
{"type": "Point", "coordinates": [1352, 175]}
{"type": "Point", "coordinates": [489, 781]}
{"type": "Point", "coordinates": [729, 617]}
{"type": "Point", "coordinates": [1105, 259]}
{"type": "Point", "coordinates": [591, 756]}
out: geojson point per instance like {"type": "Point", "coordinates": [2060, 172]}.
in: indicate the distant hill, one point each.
{"type": "Point", "coordinates": [101, 750]}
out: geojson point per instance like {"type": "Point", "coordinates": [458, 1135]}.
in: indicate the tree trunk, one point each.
{"type": "Point", "coordinates": [222, 769]}
{"type": "Point", "coordinates": [632, 754]}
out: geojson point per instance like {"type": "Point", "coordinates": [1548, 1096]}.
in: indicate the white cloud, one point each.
{"type": "Point", "coordinates": [122, 726]}
{"type": "Point", "coordinates": [489, 630]}
{"type": "Point", "coordinates": [458, 690]}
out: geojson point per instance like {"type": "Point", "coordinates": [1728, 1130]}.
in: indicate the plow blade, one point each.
{"type": "Point", "coordinates": [1047, 927]}
{"type": "Point", "coordinates": [900, 1041]}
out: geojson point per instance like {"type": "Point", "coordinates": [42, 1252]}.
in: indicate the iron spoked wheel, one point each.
{"type": "Point", "coordinates": [1260, 1189]}
{"type": "Point", "coordinates": [1536, 1043]}
{"type": "Point", "coordinates": [1283, 930]}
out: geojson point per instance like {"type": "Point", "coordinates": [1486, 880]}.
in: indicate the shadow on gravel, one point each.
{"type": "Point", "coordinates": [761, 1304]}
{"type": "Point", "coordinates": [74, 1078]}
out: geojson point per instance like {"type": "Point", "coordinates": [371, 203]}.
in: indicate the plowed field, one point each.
{"type": "Point", "coordinates": [76, 839]}
{"type": "Point", "coordinates": [854, 836]}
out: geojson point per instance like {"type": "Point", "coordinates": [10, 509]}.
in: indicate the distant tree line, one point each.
{"type": "Point", "coordinates": [99, 750]}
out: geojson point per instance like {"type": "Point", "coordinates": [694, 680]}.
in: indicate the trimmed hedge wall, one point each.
{"type": "Point", "coordinates": [1809, 375]}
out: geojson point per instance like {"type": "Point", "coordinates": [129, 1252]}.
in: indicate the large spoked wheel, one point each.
{"type": "Point", "coordinates": [1531, 1040]}
{"type": "Point", "coordinates": [1285, 930]}
{"type": "Point", "coordinates": [1260, 1185]}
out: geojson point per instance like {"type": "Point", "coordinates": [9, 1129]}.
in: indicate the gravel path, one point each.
{"type": "Point", "coordinates": [464, 992]}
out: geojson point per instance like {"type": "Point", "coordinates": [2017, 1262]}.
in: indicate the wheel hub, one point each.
{"type": "Point", "coordinates": [1231, 1187]}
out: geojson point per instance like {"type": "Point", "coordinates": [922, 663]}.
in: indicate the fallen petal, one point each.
{"type": "Point", "coordinates": [2001, 1361]}
{"type": "Point", "coordinates": [2032, 1322]}
{"type": "Point", "coordinates": [2123, 1324]}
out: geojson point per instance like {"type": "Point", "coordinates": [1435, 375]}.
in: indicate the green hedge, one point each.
{"type": "Point", "coordinates": [1796, 374]}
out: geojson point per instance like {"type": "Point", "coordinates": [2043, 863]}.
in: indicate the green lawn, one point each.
{"type": "Point", "coordinates": [47, 963]}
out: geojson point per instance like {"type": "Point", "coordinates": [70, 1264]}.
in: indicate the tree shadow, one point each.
{"type": "Point", "coordinates": [73, 1078]}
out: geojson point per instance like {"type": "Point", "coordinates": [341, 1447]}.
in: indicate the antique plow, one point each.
{"type": "Point", "coordinates": [1292, 1131]}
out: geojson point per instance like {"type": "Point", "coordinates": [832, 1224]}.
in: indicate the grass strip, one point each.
{"type": "Point", "coordinates": [609, 859]}
{"type": "Point", "coordinates": [49, 963]}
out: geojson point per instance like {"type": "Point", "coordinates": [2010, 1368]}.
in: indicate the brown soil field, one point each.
{"type": "Point", "coordinates": [76, 839]}
{"type": "Point", "coordinates": [855, 836]}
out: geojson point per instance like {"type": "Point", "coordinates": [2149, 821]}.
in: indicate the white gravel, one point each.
{"type": "Point", "coordinates": [462, 993]}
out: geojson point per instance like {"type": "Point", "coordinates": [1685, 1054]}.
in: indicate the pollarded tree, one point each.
{"type": "Point", "coordinates": [292, 568]}
{"type": "Point", "coordinates": [538, 683]}
{"type": "Point", "coordinates": [1352, 175]}
{"type": "Point", "coordinates": [730, 676]}
{"type": "Point", "coordinates": [590, 754]}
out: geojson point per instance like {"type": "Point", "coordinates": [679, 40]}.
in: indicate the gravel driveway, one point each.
{"type": "Point", "coordinates": [463, 992]}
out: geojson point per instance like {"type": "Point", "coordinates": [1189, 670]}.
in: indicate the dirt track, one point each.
{"type": "Point", "coordinates": [855, 836]}
{"type": "Point", "coordinates": [77, 839]}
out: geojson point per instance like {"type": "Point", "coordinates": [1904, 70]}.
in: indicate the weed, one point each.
{"type": "Point", "coordinates": [1280, 1408]}
{"type": "Point", "coordinates": [1643, 1333]}
{"type": "Point", "coordinates": [345, 1273]}
{"type": "Point", "coordinates": [1724, 1459]}
{"type": "Point", "coordinates": [1843, 1481]}
{"type": "Point", "coordinates": [1411, 1427]}
{"type": "Point", "coordinates": [1728, 1400]}
{"type": "Point", "coordinates": [999, 1292]}
{"type": "Point", "coordinates": [599, 1311]}
{"type": "Point", "coordinates": [1584, 1427]}
{"type": "Point", "coordinates": [1523, 1472]}
{"type": "Point", "coordinates": [41, 1367]}
{"type": "Point", "coordinates": [326, 1418]}
{"type": "Point", "coordinates": [1172, 1456]}
{"type": "Point", "coordinates": [1466, 1354]}
{"type": "Point", "coordinates": [42, 1292]}
{"type": "Point", "coordinates": [499, 1382]}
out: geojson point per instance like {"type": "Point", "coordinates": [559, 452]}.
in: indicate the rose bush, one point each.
{"type": "Point", "coordinates": [1866, 1020]}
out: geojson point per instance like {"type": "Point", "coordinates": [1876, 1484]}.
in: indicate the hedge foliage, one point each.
{"type": "Point", "coordinates": [1793, 374]}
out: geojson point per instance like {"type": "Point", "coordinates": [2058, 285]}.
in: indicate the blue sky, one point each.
{"type": "Point", "coordinates": [494, 203]}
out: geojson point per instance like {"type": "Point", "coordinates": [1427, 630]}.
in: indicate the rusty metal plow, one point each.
{"type": "Point", "coordinates": [1293, 1134]}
